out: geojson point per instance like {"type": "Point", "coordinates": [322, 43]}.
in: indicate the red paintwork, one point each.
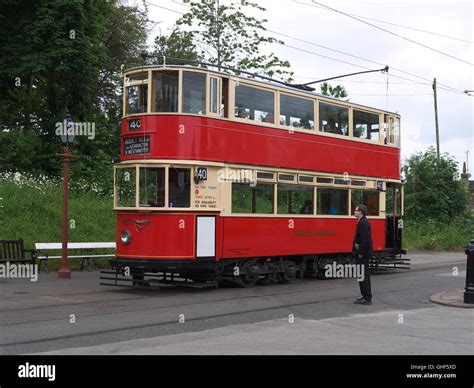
{"type": "Point", "coordinates": [217, 140]}
{"type": "Point", "coordinates": [225, 141]}
{"type": "Point", "coordinates": [257, 237]}
{"type": "Point", "coordinates": [163, 239]}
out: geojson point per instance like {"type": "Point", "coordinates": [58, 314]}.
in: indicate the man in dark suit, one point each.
{"type": "Point", "coordinates": [362, 251]}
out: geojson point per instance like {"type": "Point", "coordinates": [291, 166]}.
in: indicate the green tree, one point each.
{"type": "Point", "coordinates": [230, 37]}
{"type": "Point", "coordinates": [433, 190]}
{"type": "Point", "coordinates": [58, 56]}
{"type": "Point", "coordinates": [179, 44]}
{"type": "Point", "coordinates": [336, 91]}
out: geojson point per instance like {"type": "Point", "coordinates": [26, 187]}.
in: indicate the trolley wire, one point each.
{"type": "Point", "coordinates": [393, 24]}
{"type": "Point", "coordinates": [395, 34]}
{"type": "Point", "coordinates": [428, 81]}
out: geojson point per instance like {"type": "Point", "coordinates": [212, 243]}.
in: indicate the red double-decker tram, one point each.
{"type": "Point", "coordinates": [225, 178]}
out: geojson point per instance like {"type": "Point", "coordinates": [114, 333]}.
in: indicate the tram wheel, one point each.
{"type": "Point", "coordinates": [249, 274]}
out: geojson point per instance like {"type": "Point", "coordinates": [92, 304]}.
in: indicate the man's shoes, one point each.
{"type": "Point", "coordinates": [363, 301]}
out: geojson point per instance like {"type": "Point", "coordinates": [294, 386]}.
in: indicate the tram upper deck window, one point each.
{"type": "Point", "coordinates": [137, 99]}
{"type": "Point", "coordinates": [254, 104]}
{"type": "Point", "coordinates": [152, 187]}
{"type": "Point", "coordinates": [296, 112]}
{"type": "Point", "coordinates": [333, 119]}
{"type": "Point", "coordinates": [166, 84]}
{"type": "Point", "coordinates": [397, 131]}
{"type": "Point", "coordinates": [136, 77]}
{"type": "Point", "coordinates": [366, 125]}
{"type": "Point", "coordinates": [125, 187]}
{"type": "Point", "coordinates": [332, 201]}
{"type": "Point", "coordinates": [179, 185]}
{"type": "Point", "coordinates": [194, 93]}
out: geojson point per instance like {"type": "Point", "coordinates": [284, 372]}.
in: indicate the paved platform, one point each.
{"type": "Point", "coordinates": [453, 298]}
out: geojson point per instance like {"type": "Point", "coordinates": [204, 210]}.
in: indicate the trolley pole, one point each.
{"type": "Point", "coordinates": [64, 272]}
{"type": "Point", "coordinates": [436, 116]}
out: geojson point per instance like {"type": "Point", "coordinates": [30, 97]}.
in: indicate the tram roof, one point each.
{"type": "Point", "coordinates": [263, 83]}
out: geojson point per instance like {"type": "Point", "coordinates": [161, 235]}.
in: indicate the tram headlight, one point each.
{"type": "Point", "coordinates": [125, 237]}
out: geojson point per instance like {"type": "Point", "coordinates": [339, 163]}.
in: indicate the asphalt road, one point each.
{"type": "Point", "coordinates": [309, 316]}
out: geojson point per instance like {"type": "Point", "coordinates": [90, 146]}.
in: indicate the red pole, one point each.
{"type": "Point", "coordinates": [64, 272]}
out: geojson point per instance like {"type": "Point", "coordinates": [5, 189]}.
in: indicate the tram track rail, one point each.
{"type": "Point", "coordinates": [194, 319]}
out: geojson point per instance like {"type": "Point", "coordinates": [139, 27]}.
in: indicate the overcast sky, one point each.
{"type": "Point", "coordinates": [305, 20]}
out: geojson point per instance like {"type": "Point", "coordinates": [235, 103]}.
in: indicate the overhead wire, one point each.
{"type": "Point", "coordinates": [429, 82]}
{"type": "Point", "coordinates": [393, 24]}
{"type": "Point", "coordinates": [397, 35]}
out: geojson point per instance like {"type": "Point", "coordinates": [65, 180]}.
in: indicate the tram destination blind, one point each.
{"type": "Point", "coordinates": [137, 145]}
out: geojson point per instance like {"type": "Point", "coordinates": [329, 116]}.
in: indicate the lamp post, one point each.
{"type": "Point", "coordinates": [67, 137]}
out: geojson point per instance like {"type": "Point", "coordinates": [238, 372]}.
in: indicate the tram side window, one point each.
{"type": "Point", "coordinates": [247, 199]}
{"type": "Point", "coordinates": [333, 119]}
{"type": "Point", "coordinates": [367, 198]}
{"type": "Point", "coordinates": [179, 184]}
{"type": "Point", "coordinates": [332, 201]}
{"type": "Point", "coordinates": [397, 131]}
{"type": "Point", "coordinates": [166, 91]}
{"type": "Point", "coordinates": [366, 125]}
{"type": "Point", "coordinates": [194, 93]}
{"type": "Point", "coordinates": [254, 104]}
{"type": "Point", "coordinates": [389, 130]}
{"type": "Point", "coordinates": [296, 112]}
{"type": "Point", "coordinates": [152, 187]}
{"type": "Point", "coordinates": [137, 99]}
{"type": "Point", "coordinates": [125, 187]}
{"type": "Point", "coordinates": [293, 199]}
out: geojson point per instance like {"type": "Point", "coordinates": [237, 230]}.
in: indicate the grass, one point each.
{"type": "Point", "coordinates": [31, 209]}
{"type": "Point", "coordinates": [436, 236]}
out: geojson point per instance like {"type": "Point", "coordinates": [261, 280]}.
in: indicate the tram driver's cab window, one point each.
{"type": "Point", "coordinates": [333, 119]}
{"type": "Point", "coordinates": [179, 186]}
{"type": "Point", "coordinates": [152, 187]}
{"type": "Point", "coordinates": [332, 202]}
{"type": "Point", "coordinates": [365, 125]}
{"type": "Point", "coordinates": [194, 93]}
{"type": "Point", "coordinates": [166, 91]}
{"type": "Point", "coordinates": [296, 112]}
{"type": "Point", "coordinates": [254, 104]}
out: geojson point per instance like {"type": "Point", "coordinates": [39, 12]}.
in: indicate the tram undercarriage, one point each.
{"type": "Point", "coordinates": [242, 272]}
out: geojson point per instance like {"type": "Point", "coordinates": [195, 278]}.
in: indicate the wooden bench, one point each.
{"type": "Point", "coordinates": [44, 248]}
{"type": "Point", "coordinates": [13, 251]}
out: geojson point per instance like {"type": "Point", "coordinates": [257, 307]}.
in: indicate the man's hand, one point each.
{"type": "Point", "coordinates": [360, 255]}
{"type": "Point", "coordinates": [356, 246]}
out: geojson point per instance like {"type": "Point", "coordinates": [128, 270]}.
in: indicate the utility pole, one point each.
{"type": "Point", "coordinates": [467, 160]}
{"type": "Point", "coordinates": [436, 117]}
